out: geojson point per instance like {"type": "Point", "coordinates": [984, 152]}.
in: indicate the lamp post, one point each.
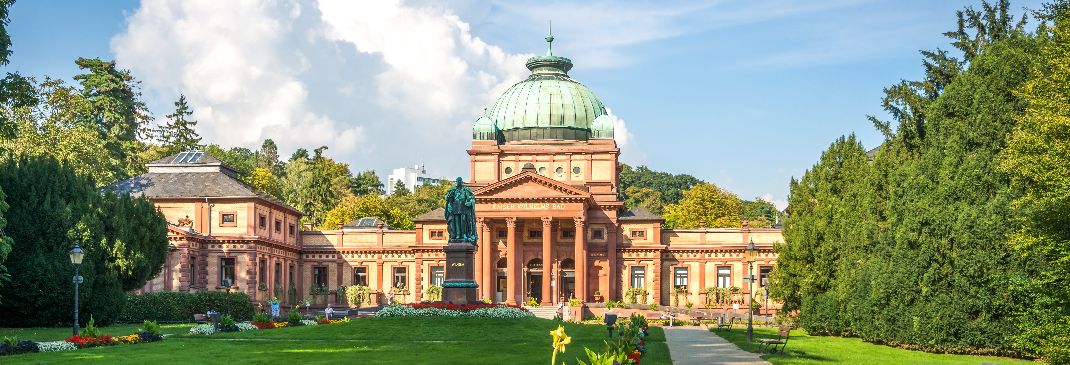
{"type": "Point", "coordinates": [748, 254]}
{"type": "Point", "coordinates": [76, 258]}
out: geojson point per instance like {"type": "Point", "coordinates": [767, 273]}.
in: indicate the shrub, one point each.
{"type": "Point", "coordinates": [227, 324]}
{"type": "Point", "coordinates": [294, 317]}
{"type": "Point", "coordinates": [261, 317]}
{"type": "Point", "coordinates": [180, 307]}
{"type": "Point", "coordinates": [12, 346]}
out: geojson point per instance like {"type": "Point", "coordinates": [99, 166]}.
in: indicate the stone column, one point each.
{"type": "Point", "coordinates": [611, 261]}
{"type": "Point", "coordinates": [547, 260]}
{"type": "Point", "coordinates": [480, 259]}
{"type": "Point", "coordinates": [656, 288]}
{"type": "Point", "coordinates": [512, 254]}
{"type": "Point", "coordinates": [490, 264]}
{"type": "Point", "coordinates": [185, 274]}
{"type": "Point", "coordinates": [581, 259]}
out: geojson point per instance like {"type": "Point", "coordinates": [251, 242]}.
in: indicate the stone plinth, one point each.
{"type": "Point", "coordinates": [460, 286]}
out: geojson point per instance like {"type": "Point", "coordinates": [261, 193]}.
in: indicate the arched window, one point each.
{"type": "Point", "coordinates": [535, 264]}
{"type": "Point", "coordinates": [503, 263]}
{"type": "Point", "coordinates": [568, 264]}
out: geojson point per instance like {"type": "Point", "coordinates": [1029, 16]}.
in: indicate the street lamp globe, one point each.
{"type": "Point", "coordinates": [76, 255]}
{"type": "Point", "coordinates": [751, 251]}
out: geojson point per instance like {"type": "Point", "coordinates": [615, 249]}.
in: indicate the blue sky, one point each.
{"type": "Point", "coordinates": [740, 93]}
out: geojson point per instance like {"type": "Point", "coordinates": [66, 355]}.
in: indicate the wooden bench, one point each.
{"type": "Point", "coordinates": [781, 340]}
{"type": "Point", "coordinates": [723, 323]}
{"type": "Point", "coordinates": [338, 314]}
{"type": "Point", "coordinates": [200, 318]}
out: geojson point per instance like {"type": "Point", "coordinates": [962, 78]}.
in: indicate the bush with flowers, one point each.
{"type": "Point", "coordinates": [202, 329]}
{"type": "Point", "coordinates": [56, 346]}
{"type": "Point", "coordinates": [453, 310]}
{"type": "Point", "coordinates": [246, 326]}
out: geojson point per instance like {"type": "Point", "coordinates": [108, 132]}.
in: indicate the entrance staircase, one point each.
{"type": "Point", "coordinates": [548, 312]}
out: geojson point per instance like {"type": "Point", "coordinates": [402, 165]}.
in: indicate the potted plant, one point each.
{"type": "Point", "coordinates": [575, 307]}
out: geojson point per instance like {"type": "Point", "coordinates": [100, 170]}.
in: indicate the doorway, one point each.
{"type": "Point", "coordinates": [535, 286]}
{"type": "Point", "coordinates": [568, 284]}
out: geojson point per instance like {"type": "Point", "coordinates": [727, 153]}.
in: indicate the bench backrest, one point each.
{"type": "Point", "coordinates": [784, 331]}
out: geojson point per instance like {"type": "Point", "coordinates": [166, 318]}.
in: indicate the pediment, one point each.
{"type": "Point", "coordinates": [530, 185]}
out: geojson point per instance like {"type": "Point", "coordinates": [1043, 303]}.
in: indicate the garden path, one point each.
{"type": "Point", "coordinates": [695, 345]}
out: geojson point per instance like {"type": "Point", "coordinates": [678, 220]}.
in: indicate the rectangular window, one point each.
{"type": "Point", "coordinates": [261, 273]}
{"type": "Point", "coordinates": [568, 233]}
{"type": "Point", "coordinates": [724, 276]}
{"type": "Point", "coordinates": [262, 222]}
{"type": "Point", "coordinates": [438, 275]}
{"type": "Point", "coordinates": [278, 274]}
{"type": "Point", "coordinates": [534, 233]}
{"type": "Point", "coordinates": [679, 277]}
{"type": "Point", "coordinates": [638, 277]}
{"type": "Point", "coordinates": [401, 277]}
{"type": "Point", "coordinates": [763, 275]}
{"type": "Point", "coordinates": [192, 273]}
{"type": "Point", "coordinates": [228, 219]}
{"type": "Point", "coordinates": [360, 276]}
{"type": "Point", "coordinates": [438, 234]}
{"type": "Point", "coordinates": [226, 272]}
{"type": "Point", "coordinates": [502, 234]}
{"type": "Point", "coordinates": [278, 226]}
{"type": "Point", "coordinates": [638, 233]}
{"type": "Point", "coordinates": [290, 279]}
{"type": "Point", "coordinates": [319, 276]}
{"type": "Point", "coordinates": [598, 234]}
{"type": "Point", "coordinates": [293, 229]}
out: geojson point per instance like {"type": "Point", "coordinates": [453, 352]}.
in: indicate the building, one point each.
{"type": "Point", "coordinates": [411, 177]}
{"type": "Point", "coordinates": [544, 169]}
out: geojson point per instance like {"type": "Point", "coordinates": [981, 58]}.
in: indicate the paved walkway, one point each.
{"type": "Point", "coordinates": [694, 345]}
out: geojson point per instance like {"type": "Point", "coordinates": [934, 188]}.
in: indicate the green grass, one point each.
{"type": "Point", "coordinates": [804, 349]}
{"type": "Point", "coordinates": [368, 340]}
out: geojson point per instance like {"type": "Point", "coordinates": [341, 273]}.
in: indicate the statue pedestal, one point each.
{"type": "Point", "coordinates": [460, 286]}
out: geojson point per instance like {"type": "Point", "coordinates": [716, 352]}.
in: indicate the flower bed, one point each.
{"type": "Point", "coordinates": [89, 337]}
{"type": "Point", "coordinates": [453, 310]}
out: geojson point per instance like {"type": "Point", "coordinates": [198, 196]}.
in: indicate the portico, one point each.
{"type": "Point", "coordinates": [539, 227]}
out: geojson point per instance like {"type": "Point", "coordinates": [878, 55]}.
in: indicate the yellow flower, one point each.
{"type": "Point", "coordinates": [560, 339]}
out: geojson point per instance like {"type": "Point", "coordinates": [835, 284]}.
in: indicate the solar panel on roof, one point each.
{"type": "Point", "coordinates": [195, 157]}
{"type": "Point", "coordinates": [180, 157]}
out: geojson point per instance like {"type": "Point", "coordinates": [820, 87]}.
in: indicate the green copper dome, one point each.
{"type": "Point", "coordinates": [548, 105]}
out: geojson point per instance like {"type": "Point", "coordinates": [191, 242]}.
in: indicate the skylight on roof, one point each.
{"type": "Point", "coordinates": [366, 222]}
{"type": "Point", "coordinates": [188, 157]}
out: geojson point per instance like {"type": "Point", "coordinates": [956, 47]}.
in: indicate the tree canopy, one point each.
{"type": "Point", "coordinates": [706, 205]}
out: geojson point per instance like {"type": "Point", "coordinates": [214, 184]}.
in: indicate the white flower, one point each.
{"type": "Point", "coordinates": [246, 326]}
{"type": "Point", "coordinates": [56, 346]}
{"type": "Point", "coordinates": [308, 322]}
{"type": "Point", "coordinates": [202, 329]}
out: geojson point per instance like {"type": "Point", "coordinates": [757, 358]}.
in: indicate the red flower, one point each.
{"type": "Point", "coordinates": [264, 326]}
{"type": "Point", "coordinates": [83, 342]}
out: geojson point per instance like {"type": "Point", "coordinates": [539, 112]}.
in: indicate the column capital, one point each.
{"type": "Point", "coordinates": [580, 221]}
{"type": "Point", "coordinates": [546, 221]}
{"type": "Point", "coordinates": [510, 222]}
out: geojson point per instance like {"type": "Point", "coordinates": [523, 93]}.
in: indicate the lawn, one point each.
{"type": "Point", "coordinates": [804, 349]}
{"type": "Point", "coordinates": [429, 340]}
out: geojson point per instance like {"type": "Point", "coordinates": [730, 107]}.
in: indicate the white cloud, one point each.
{"type": "Point", "coordinates": [240, 67]}
{"type": "Point", "coordinates": [381, 83]}
{"type": "Point", "coordinates": [780, 204]}
{"type": "Point", "coordinates": [629, 151]}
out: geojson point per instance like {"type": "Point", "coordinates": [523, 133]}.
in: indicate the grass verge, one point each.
{"type": "Point", "coordinates": [804, 349]}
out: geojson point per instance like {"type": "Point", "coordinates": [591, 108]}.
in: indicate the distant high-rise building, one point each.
{"type": "Point", "coordinates": [411, 177]}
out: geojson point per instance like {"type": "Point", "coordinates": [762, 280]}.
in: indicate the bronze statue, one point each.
{"type": "Point", "coordinates": [461, 213]}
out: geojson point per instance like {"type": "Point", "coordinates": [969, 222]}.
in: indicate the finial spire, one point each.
{"type": "Point", "coordinates": [550, 39]}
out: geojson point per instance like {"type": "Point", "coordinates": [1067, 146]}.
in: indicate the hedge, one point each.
{"type": "Point", "coordinates": [180, 307]}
